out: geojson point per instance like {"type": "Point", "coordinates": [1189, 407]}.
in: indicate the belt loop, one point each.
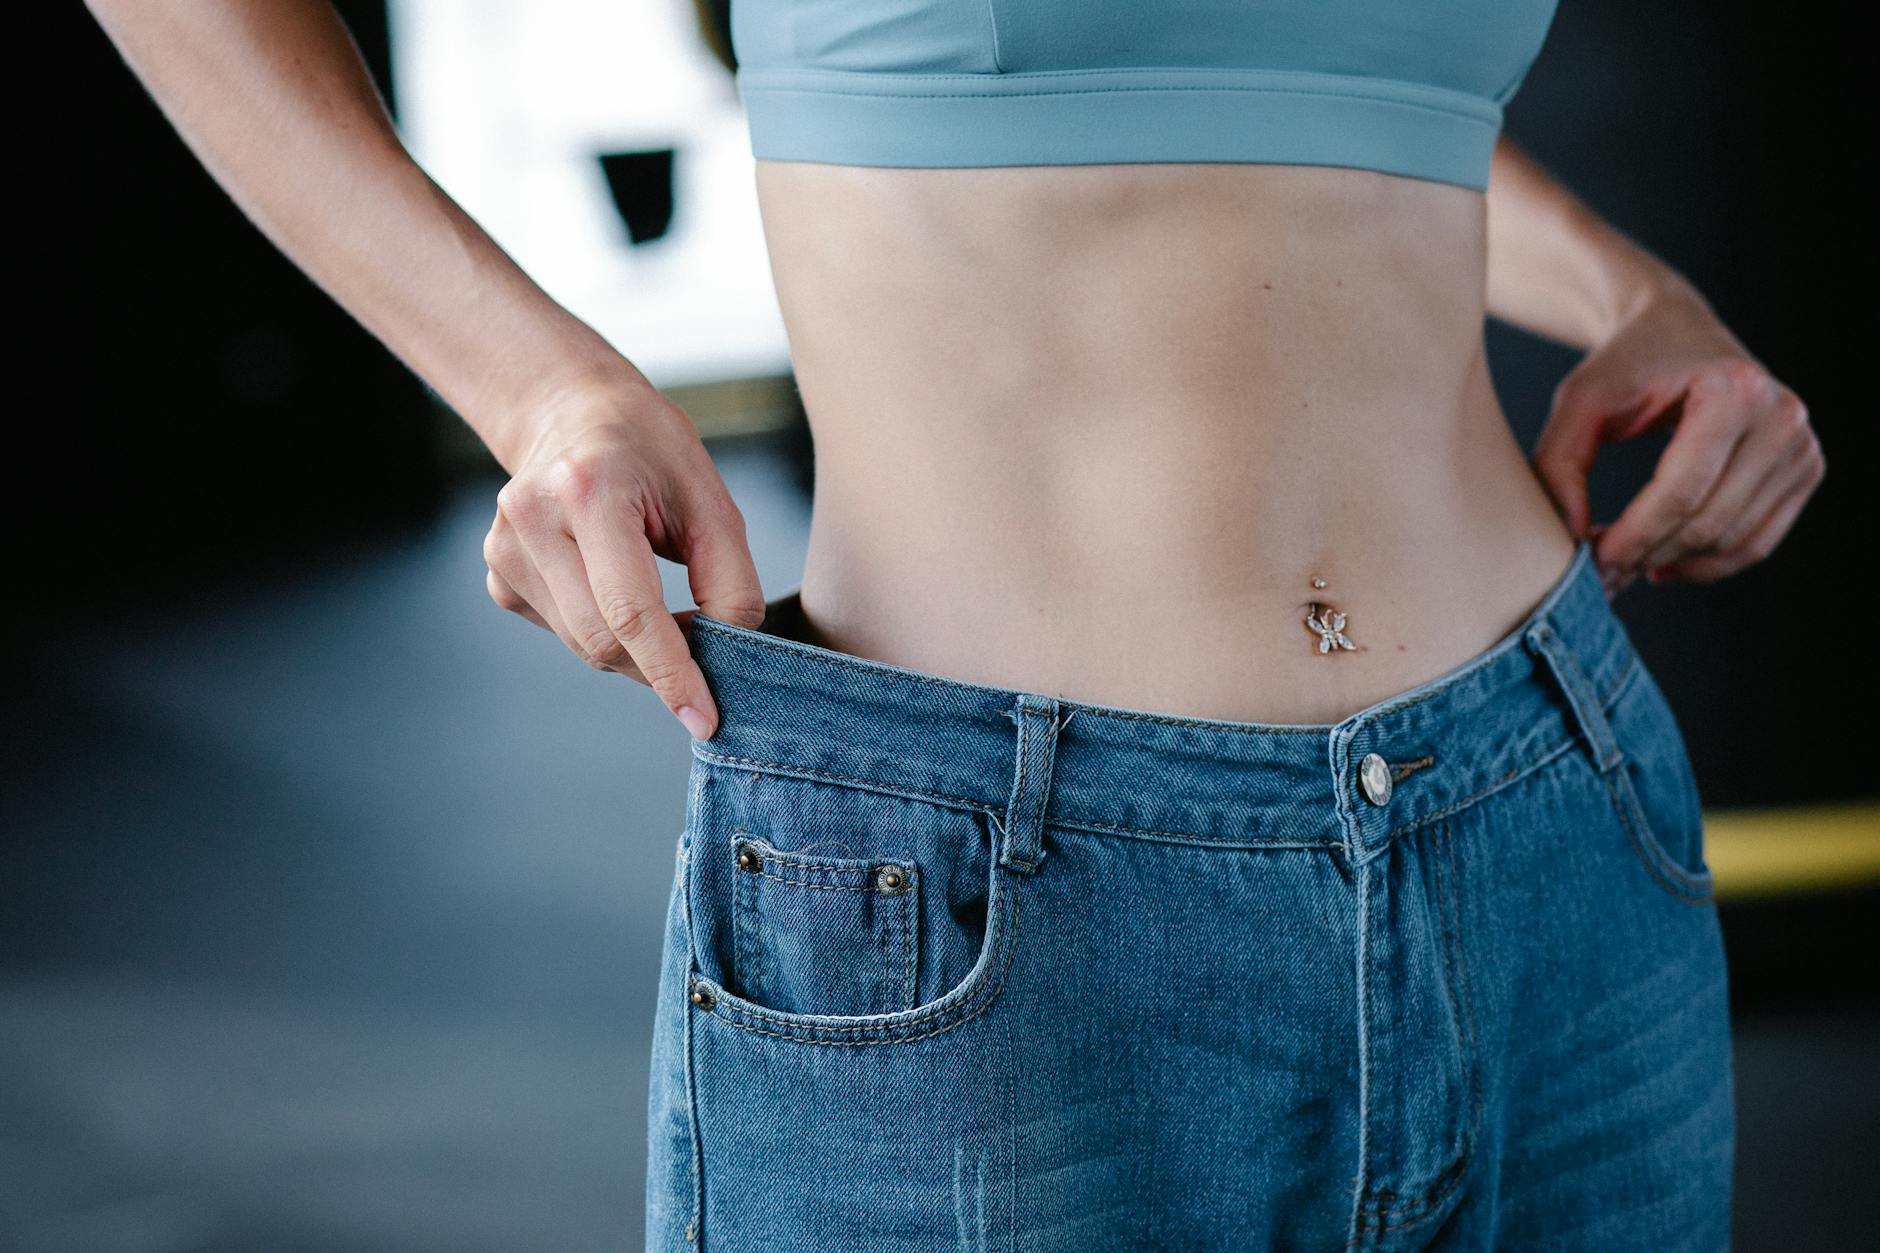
{"type": "Point", "coordinates": [1581, 696]}
{"type": "Point", "coordinates": [1037, 719]}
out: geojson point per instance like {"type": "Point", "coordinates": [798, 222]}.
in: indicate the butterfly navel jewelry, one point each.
{"type": "Point", "coordinates": [1328, 624]}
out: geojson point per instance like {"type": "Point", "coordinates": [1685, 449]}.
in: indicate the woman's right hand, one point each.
{"type": "Point", "coordinates": [275, 99]}
{"type": "Point", "coordinates": [607, 482]}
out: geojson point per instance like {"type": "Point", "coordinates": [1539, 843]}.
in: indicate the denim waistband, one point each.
{"type": "Point", "coordinates": [794, 708]}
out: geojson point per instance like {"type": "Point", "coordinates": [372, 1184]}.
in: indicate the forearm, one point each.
{"type": "Point", "coordinates": [273, 98]}
{"type": "Point", "coordinates": [1554, 267]}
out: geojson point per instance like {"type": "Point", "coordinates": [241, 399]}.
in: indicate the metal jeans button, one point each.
{"type": "Point", "coordinates": [1374, 777]}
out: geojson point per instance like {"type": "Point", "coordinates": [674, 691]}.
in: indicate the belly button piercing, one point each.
{"type": "Point", "coordinates": [1329, 624]}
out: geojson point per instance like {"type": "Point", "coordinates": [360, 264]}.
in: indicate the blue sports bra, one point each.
{"type": "Point", "coordinates": [1411, 87]}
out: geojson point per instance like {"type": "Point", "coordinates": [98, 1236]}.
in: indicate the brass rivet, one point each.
{"type": "Point", "coordinates": [892, 880]}
{"type": "Point", "coordinates": [748, 860]}
{"type": "Point", "coordinates": [701, 998]}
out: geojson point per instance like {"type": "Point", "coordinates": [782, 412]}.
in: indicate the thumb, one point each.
{"type": "Point", "coordinates": [1563, 459]}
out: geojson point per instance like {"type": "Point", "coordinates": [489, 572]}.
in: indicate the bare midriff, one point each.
{"type": "Point", "coordinates": [1094, 431]}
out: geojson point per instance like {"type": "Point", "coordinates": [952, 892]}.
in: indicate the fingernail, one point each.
{"type": "Point", "coordinates": [694, 722]}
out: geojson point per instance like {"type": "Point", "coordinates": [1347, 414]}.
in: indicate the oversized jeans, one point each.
{"type": "Point", "coordinates": [950, 966]}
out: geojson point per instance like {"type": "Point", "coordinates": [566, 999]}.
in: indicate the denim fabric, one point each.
{"type": "Point", "coordinates": [949, 966]}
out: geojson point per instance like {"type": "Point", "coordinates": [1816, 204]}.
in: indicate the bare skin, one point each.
{"type": "Point", "coordinates": [1092, 430]}
{"type": "Point", "coordinates": [1089, 430]}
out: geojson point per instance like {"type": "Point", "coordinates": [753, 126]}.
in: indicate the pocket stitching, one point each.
{"type": "Point", "coordinates": [841, 865]}
{"type": "Point", "coordinates": [903, 917]}
{"type": "Point", "coordinates": [1691, 887]}
{"type": "Point", "coordinates": [748, 967]}
{"type": "Point", "coordinates": [824, 887]}
{"type": "Point", "coordinates": [751, 920]}
{"type": "Point", "coordinates": [972, 1002]}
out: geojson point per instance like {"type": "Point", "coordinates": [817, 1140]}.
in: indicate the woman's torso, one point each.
{"type": "Point", "coordinates": [1093, 430]}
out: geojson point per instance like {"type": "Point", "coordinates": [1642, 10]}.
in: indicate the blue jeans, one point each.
{"type": "Point", "coordinates": [950, 966]}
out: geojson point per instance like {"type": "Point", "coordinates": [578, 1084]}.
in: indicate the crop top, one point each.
{"type": "Point", "coordinates": [1410, 87]}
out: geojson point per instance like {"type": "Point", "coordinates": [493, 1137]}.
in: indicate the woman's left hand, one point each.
{"type": "Point", "coordinates": [1741, 462]}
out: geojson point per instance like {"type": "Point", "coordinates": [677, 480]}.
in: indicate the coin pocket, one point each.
{"type": "Point", "coordinates": [820, 934]}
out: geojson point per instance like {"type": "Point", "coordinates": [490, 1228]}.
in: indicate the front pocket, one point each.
{"type": "Point", "coordinates": [817, 934]}
{"type": "Point", "coordinates": [796, 931]}
{"type": "Point", "coordinates": [1654, 790]}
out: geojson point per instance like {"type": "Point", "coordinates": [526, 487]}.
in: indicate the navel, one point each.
{"type": "Point", "coordinates": [1326, 622]}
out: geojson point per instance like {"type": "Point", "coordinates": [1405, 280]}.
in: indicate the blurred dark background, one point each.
{"type": "Point", "coordinates": [332, 894]}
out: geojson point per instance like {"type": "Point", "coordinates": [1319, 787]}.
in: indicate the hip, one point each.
{"type": "Point", "coordinates": [950, 965]}
{"type": "Point", "coordinates": [954, 966]}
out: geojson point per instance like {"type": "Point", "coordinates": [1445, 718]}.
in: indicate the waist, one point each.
{"type": "Point", "coordinates": [794, 707]}
{"type": "Point", "coordinates": [1177, 571]}
{"type": "Point", "coordinates": [1134, 410]}
{"type": "Point", "coordinates": [1272, 290]}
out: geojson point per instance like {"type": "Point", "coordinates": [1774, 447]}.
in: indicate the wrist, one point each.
{"type": "Point", "coordinates": [1631, 280]}
{"type": "Point", "coordinates": [517, 427]}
